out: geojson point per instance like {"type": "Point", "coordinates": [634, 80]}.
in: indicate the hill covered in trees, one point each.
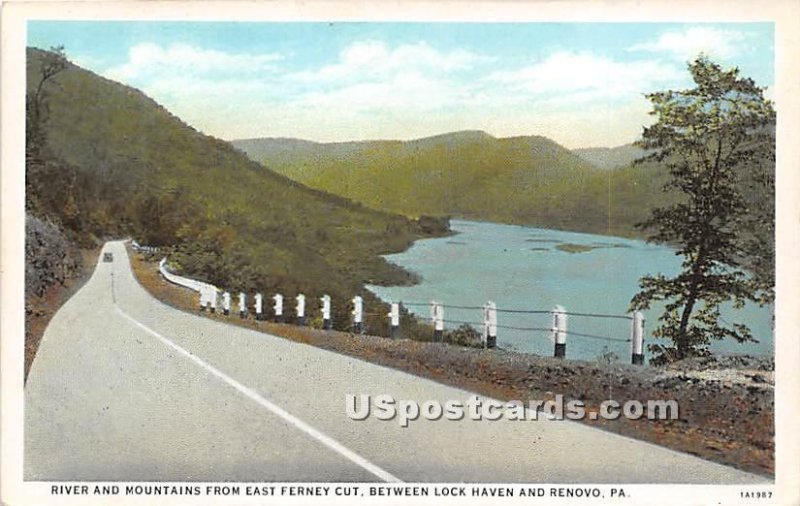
{"type": "Point", "coordinates": [109, 161]}
{"type": "Point", "coordinates": [520, 180]}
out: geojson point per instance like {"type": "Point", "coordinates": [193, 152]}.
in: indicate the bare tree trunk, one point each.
{"type": "Point", "coordinates": [682, 340]}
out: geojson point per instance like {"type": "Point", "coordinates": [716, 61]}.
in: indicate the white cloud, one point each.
{"type": "Point", "coordinates": [569, 77]}
{"type": "Point", "coordinates": [373, 59]}
{"type": "Point", "coordinates": [148, 60]}
{"type": "Point", "coordinates": [689, 43]}
{"type": "Point", "coordinates": [373, 90]}
{"type": "Point", "coordinates": [410, 91]}
{"type": "Point", "coordinates": [578, 99]}
{"type": "Point", "coordinates": [367, 76]}
{"type": "Point", "coordinates": [192, 81]}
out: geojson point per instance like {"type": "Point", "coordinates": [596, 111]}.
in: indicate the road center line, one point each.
{"type": "Point", "coordinates": [253, 395]}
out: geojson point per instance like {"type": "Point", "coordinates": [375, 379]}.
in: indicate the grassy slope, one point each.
{"type": "Point", "coordinates": [268, 231]}
{"type": "Point", "coordinates": [521, 180]}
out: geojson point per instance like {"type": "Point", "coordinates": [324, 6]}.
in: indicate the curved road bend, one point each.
{"type": "Point", "coordinates": [135, 390]}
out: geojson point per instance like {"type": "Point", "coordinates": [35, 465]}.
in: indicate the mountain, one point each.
{"type": "Point", "coordinates": [115, 163]}
{"type": "Point", "coordinates": [521, 180]}
{"type": "Point", "coordinates": [611, 158]}
{"type": "Point", "coordinates": [284, 149]}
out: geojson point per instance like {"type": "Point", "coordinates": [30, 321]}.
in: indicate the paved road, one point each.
{"type": "Point", "coordinates": [126, 388]}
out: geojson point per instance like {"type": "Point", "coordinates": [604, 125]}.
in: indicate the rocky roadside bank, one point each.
{"type": "Point", "coordinates": [726, 405]}
{"type": "Point", "coordinates": [54, 269]}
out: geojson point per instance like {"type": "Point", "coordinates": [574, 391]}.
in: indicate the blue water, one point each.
{"type": "Point", "coordinates": [520, 268]}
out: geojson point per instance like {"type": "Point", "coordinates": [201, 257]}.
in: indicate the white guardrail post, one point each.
{"type": "Point", "coordinates": [637, 338]}
{"type": "Point", "coordinates": [213, 295]}
{"type": "Point", "coordinates": [326, 312]}
{"type": "Point", "coordinates": [394, 320]}
{"type": "Point", "coordinates": [205, 300]}
{"type": "Point", "coordinates": [259, 307]}
{"type": "Point", "coordinates": [226, 303]}
{"type": "Point", "coordinates": [242, 305]}
{"type": "Point", "coordinates": [300, 309]}
{"type": "Point", "coordinates": [490, 325]}
{"type": "Point", "coordinates": [278, 307]}
{"type": "Point", "coordinates": [560, 331]}
{"type": "Point", "coordinates": [358, 315]}
{"type": "Point", "coordinates": [437, 319]}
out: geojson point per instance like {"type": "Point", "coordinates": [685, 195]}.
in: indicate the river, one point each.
{"type": "Point", "coordinates": [526, 268]}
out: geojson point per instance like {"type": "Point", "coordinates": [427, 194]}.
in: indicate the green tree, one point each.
{"type": "Point", "coordinates": [55, 62]}
{"type": "Point", "coordinates": [713, 138]}
{"type": "Point", "coordinates": [36, 111]}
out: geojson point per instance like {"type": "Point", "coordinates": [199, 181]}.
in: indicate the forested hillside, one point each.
{"type": "Point", "coordinates": [520, 180]}
{"type": "Point", "coordinates": [109, 161]}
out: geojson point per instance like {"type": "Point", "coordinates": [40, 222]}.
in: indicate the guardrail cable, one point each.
{"type": "Point", "coordinates": [593, 336]}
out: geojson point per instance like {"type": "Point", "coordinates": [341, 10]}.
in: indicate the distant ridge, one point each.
{"type": "Point", "coordinates": [470, 174]}
{"type": "Point", "coordinates": [611, 158]}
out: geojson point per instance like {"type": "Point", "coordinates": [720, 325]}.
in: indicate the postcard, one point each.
{"type": "Point", "coordinates": [401, 253]}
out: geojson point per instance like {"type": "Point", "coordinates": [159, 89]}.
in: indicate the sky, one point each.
{"type": "Point", "coordinates": [580, 84]}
